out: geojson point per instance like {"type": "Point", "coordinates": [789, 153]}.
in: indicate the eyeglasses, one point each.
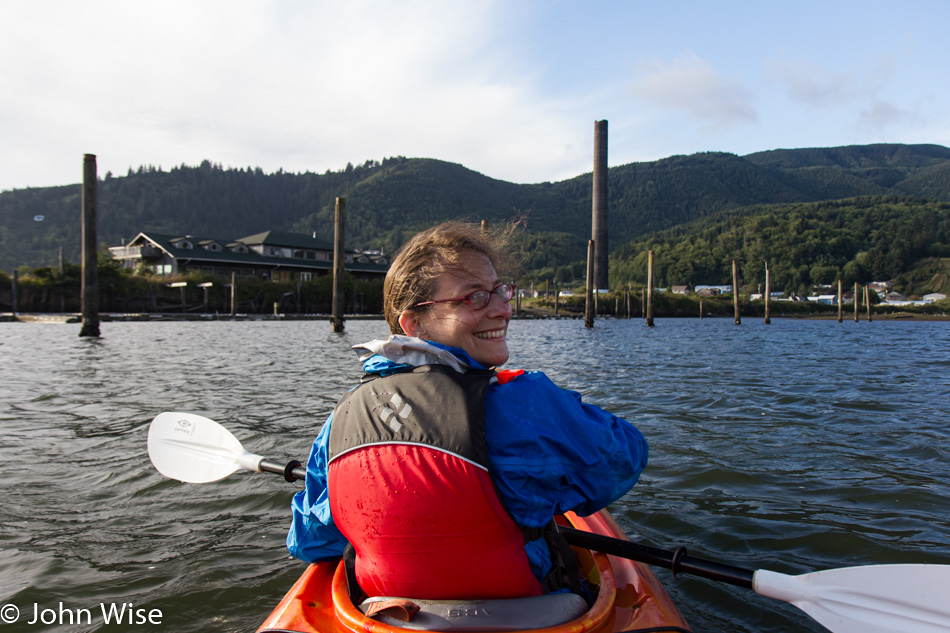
{"type": "Point", "coordinates": [478, 299]}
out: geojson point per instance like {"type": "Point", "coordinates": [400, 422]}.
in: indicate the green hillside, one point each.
{"type": "Point", "coordinates": [804, 244]}
{"type": "Point", "coordinates": [389, 200]}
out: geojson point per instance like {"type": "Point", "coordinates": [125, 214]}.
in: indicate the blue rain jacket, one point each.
{"type": "Point", "coordinates": [548, 451]}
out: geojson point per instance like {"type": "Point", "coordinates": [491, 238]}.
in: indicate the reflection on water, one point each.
{"type": "Point", "coordinates": [797, 446]}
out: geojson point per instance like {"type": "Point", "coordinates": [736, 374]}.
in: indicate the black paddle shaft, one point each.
{"type": "Point", "coordinates": [677, 562]}
{"type": "Point", "coordinates": [292, 471]}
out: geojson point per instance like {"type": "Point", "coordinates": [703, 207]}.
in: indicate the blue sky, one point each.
{"type": "Point", "coordinates": [510, 89]}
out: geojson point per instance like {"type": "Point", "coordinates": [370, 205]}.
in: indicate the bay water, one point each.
{"type": "Point", "coordinates": [795, 446]}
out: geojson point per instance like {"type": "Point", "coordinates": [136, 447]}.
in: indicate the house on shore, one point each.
{"type": "Point", "coordinates": [271, 255]}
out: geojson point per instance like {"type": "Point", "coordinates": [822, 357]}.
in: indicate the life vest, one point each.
{"type": "Point", "coordinates": [409, 487]}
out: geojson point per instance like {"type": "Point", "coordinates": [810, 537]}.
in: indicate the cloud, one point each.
{"type": "Point", "coordinates": [691, 84]}
{"type": "Point", "coordinates": [293, 84]}
{"type": "Point", "coordinates": [813, 85]}
{"type": "Point", "coordinates": [882, 115]}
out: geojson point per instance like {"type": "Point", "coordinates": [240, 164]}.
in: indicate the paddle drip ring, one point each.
{"type": "Point", "coordinates": [289, 470]}
{"type": "Point", "coordinates": [677, 558]}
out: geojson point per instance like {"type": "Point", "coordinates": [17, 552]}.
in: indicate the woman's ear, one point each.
{"type": "Point", "coordinates": [411, 323]}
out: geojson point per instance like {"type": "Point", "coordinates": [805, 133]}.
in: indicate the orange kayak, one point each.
{"type": "Point", "coordinates": [629, 598]}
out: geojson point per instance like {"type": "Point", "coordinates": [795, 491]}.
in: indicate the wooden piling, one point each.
{"type": "Point", "coordinates": [856, 302]}
{"type": "Point", "coordinates": [90, 264]}
{"type": "Point", "coordinates": [700, 308]}
{"type": "Point", "coordinates": [13, 292]}
{"type": "Point", "coordinates": [768, 294]}
{"type": "Point", "coordinates": [62, 284]}
{"type": "Point", "coordinates": [867, 300]}
{"type": "Point", "coordinates": [735, 290]}
{"type": "Point", "coordinates": [589, 304]}
{"type": "Point", "coordinates": [840, 306]}
{"type": "Point", "coordinates": [557, 301]}
{"type": "Point", "coordinates": [233, 293]}
{"type": "Point", "coordinates": [336, 320]}
{"type": "Point", "coordinates": [649, 297]}
{"type": "Point", "coordinates": [599, 209]}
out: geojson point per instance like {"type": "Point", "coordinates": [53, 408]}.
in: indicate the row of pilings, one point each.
{"type": "Point", "coordinates": [648, 295]}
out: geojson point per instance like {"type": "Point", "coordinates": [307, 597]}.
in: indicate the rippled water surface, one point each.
{"type": "Point", "coordinates": [797, 446]}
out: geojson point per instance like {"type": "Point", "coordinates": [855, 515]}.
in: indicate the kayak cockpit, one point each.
{"type": "Point", "coordinates": [628, 597]}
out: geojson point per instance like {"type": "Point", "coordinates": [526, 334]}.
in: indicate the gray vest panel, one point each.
{"type": "Point", "coordinates": [431, 405]}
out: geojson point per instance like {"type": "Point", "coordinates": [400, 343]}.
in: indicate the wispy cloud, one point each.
{"type": "Point", "coordinates": [883, 115]}
{"type": "Point", "coordinates": [808, 83]}
{"type": "Point", "coordinates": [691, 84]}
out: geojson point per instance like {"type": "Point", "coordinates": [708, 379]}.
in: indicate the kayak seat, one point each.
{"type": "Point", "coordinates": [502, 614]}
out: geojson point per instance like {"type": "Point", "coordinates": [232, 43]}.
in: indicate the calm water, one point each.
{"type": "Point", "coordinates": [797, 446]}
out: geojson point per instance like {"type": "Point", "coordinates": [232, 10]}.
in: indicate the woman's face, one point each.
{"type": "Point", "coordinates": [481, 333]}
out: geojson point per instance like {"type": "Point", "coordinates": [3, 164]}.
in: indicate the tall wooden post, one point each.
{"type": "Point", "coordinates": [649, 298]}
{"type": "Point", "coordinates": [557, 301]}
{"type": "Point", "coordinates": [857, 302]}
{"type": "Point", "coordinates": [90, 264]}
{"type": "Point", "coordinates": [599, 210]}
{"type": "Point", "coordinates": [867, 300]}
{"type": "Point", "coordinates": [62, 284]}
{"type": "Point", "coordinates": [768, 296]}
{"type": "Point", "coordinates": [840, 304]}
{"type": "Point", "coordinates": [233, 293]}
{"type": "Point", "coordinates": [13, 292]}
{"type": "Point", "coordinates": [336, 320]}
{"type": "Point", "coordinates": [589, 305]}
{"type": "Point", "coordinates": [735, 290]}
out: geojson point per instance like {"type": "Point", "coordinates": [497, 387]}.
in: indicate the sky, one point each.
{"type": "Point", "coordinates": [510, 89]}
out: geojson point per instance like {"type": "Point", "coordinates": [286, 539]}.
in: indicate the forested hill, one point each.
{"type": "Point", "coordinates": [388, 200]}
{"type": "Point", "coordinates": [857, 240]}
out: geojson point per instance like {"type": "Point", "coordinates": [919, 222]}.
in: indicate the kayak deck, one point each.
{"type": "Point", "coordinates": [629, 597]}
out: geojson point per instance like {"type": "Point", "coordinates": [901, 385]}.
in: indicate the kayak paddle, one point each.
{"type": "Point", "coordinates": [197, 450]}
{"type": "Point", "coordinates": [868, 599]}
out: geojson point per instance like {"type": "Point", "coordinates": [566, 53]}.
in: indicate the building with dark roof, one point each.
{"type": "Point", "coordinates": [271, 255]}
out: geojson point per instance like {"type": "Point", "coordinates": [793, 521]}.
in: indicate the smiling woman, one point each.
{"type": "Point", "coordinates": [444, 473]}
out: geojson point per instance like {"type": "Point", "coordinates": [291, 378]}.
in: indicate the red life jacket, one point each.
{"type": "Point", "coordinates": [409, 487]}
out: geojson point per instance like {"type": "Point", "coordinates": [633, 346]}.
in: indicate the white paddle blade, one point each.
{"type": "Point", "coordinates": [194, 449]}
{"type": "Point", "coordinates": [869, 599]}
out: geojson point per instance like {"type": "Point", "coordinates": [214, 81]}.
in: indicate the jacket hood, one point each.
{"type": "Point", "coordinates": [399, 351]}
